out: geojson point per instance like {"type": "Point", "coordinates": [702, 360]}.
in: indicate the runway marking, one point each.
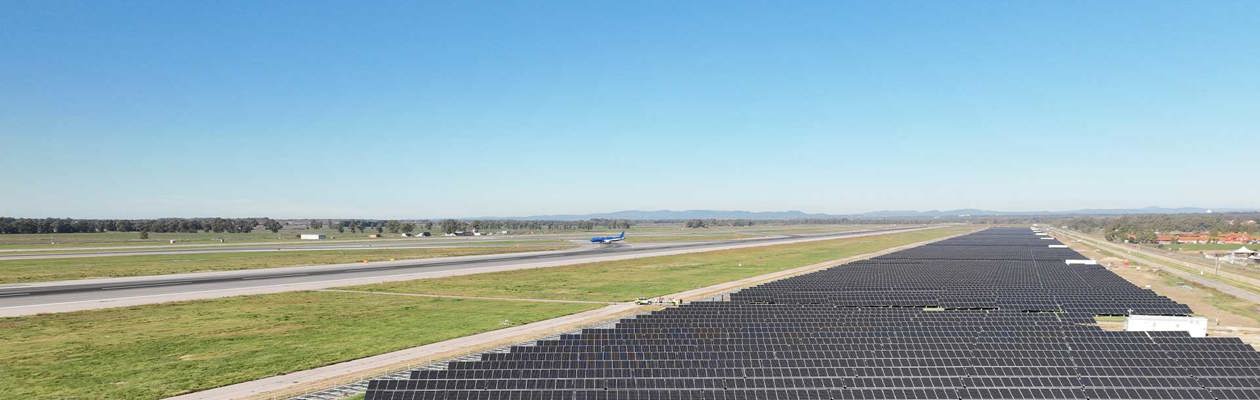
{"type": "Point", "coordinates": [145, 285]}
{"type": "Point", "coordinates": [446, 296]}
{"type": "Point", "coordinates": [250, 278]}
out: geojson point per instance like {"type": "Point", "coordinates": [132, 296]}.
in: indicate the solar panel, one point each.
{"type": "Point", "coordinates": [991, 315]}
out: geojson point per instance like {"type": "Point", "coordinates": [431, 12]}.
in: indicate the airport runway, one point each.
{"type": "Point", "coordinates": [64, 296]}
{"type": "Point", "coordinates": [258, 248]}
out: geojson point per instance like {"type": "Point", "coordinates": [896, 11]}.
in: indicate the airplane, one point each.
{"type": "Point", "coordinates": [609, 239]}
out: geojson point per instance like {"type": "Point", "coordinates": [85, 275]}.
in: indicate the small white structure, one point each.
{"type": "Point", "coordinates": [313, 236]}
{"type": "Point", "coordinates": [1047, 238]}
{"type": "Point", "coordinates": [1081, 262]}
{"type": "Point", "coordinates": [1195, 326]}
{"type": "Point", "coordinates": [1042, 234]}
{"type": "Point", "coordinates": [1243, 253]}
{"type": "Point", "coordinates": [405, 234]}
{"type": "Point", "coordinates": [1058, 246]}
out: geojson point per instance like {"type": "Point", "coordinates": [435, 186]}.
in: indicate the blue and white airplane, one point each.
{"type": "Point", "coordinates": [609, 239]}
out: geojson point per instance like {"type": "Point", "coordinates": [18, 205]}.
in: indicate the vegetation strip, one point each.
{"type": "Point", "coordinates": [465, 297]}
{"type": "Point", "coordinates": [163, 350]}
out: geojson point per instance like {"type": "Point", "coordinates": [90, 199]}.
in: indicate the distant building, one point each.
{"type": "Point", "coordinates": [374, 236]}
{"type": "Point", "coordinates": [405, 234]}
{"type": "Point", "coordinates": [1165, 239]}
{"type": "Point", "coordinates": [312, 236]}
{"type": "Point", "coordinates": [1235, 238]}
{"type": "Point", "coordinates": [1193, 238]}
{"type": "Point", "coordinates": [424, 234]}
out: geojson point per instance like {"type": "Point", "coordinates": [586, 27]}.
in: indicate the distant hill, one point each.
{"type": "Point", "coordinates": [971, 212]}
{"type": "Point", "coordinates": [788, 215]}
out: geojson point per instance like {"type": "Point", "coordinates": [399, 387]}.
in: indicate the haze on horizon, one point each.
{"type": "Point", "coordinates": [401, 110]}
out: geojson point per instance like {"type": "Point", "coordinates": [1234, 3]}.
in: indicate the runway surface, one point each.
{"type": "Point", "coordinates": [64, 296]}
{"type": "Point", "coordinates": [258, 248]}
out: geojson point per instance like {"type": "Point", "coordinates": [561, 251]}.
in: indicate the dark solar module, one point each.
{"type": "Point", "coordinates": [991, 315]}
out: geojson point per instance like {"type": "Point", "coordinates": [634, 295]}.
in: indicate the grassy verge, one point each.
{"type": "Point", "coordinates": [163, 350]}
{"type": "Point", "coordinates": [654, 276]}
{"type": "Point", "coordinates": [1203, 247]}
{"type": "Point", "coordinates": [42, 270]}
{"type": "Point", "coordinates": [1216, 298]}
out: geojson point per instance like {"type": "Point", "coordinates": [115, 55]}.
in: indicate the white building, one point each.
{"type": "Point", "coordinates": [313, 236]}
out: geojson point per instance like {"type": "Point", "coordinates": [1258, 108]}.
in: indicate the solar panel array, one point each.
{"type": "Point", "coordinates": [991, 315]}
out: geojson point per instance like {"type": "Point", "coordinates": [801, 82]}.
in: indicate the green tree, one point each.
{"type": "Point", "coordinates": [450, 226]}
{"type": "Point", "coordinates": [393, 226]}
{"type": "Point", "coordinates": [273, 225]}
{"type": "Point", "coordinates": [408, 227]}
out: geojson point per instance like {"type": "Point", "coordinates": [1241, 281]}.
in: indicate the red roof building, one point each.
{"type": "Point", "coordinates": [1234, 238]}
{"type": "Point", "coordinates": [1164, 239]}
{"type": "Point", "coordinates": [1196, 238]}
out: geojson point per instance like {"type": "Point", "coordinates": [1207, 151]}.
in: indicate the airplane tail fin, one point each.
{"type": "Point", "coordinates": [623, 235]}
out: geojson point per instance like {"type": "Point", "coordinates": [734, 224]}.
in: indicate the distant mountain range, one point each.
{"type": "Point", "coordinates": [785, 215]}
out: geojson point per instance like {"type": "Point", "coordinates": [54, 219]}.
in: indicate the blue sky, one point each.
{"type": "Point", "coordinates": [397, 110]}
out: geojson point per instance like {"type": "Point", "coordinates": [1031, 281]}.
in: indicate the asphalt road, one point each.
{"type": "Point", "coordinates": [26, 299]}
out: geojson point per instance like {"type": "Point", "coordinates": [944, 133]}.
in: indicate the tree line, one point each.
{"type": "Point", "coordinates": [9, 225]}
{"type": "Point", "coordinates": [1143, 228]}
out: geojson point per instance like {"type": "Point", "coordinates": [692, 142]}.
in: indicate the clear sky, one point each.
{"type": "Point", "coordinates": [337, 109]}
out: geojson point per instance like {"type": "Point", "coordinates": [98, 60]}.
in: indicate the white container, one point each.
{"type": "Point", "coordinates": [1195, 326]}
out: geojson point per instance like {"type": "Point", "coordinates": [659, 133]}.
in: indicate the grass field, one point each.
{"type": "Point", "coordinates": [41, 270]}
{"type": "Point", "coordinates": [162, 350]}
{"type": "Point", "coordinates": [654, 276]}
{"type": "Point", "coordinates": [155, 351]}
{"type": "Point", "coordinates": [110, 239]}
{"type": "Point", "coordinates": [1195, 247]}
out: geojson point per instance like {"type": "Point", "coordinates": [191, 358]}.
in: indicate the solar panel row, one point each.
{"type": "Point", "coordinates": [992, 315]}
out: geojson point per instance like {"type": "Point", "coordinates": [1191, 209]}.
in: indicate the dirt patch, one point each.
{"type": "Point", "coordinates": [1227, 315]}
